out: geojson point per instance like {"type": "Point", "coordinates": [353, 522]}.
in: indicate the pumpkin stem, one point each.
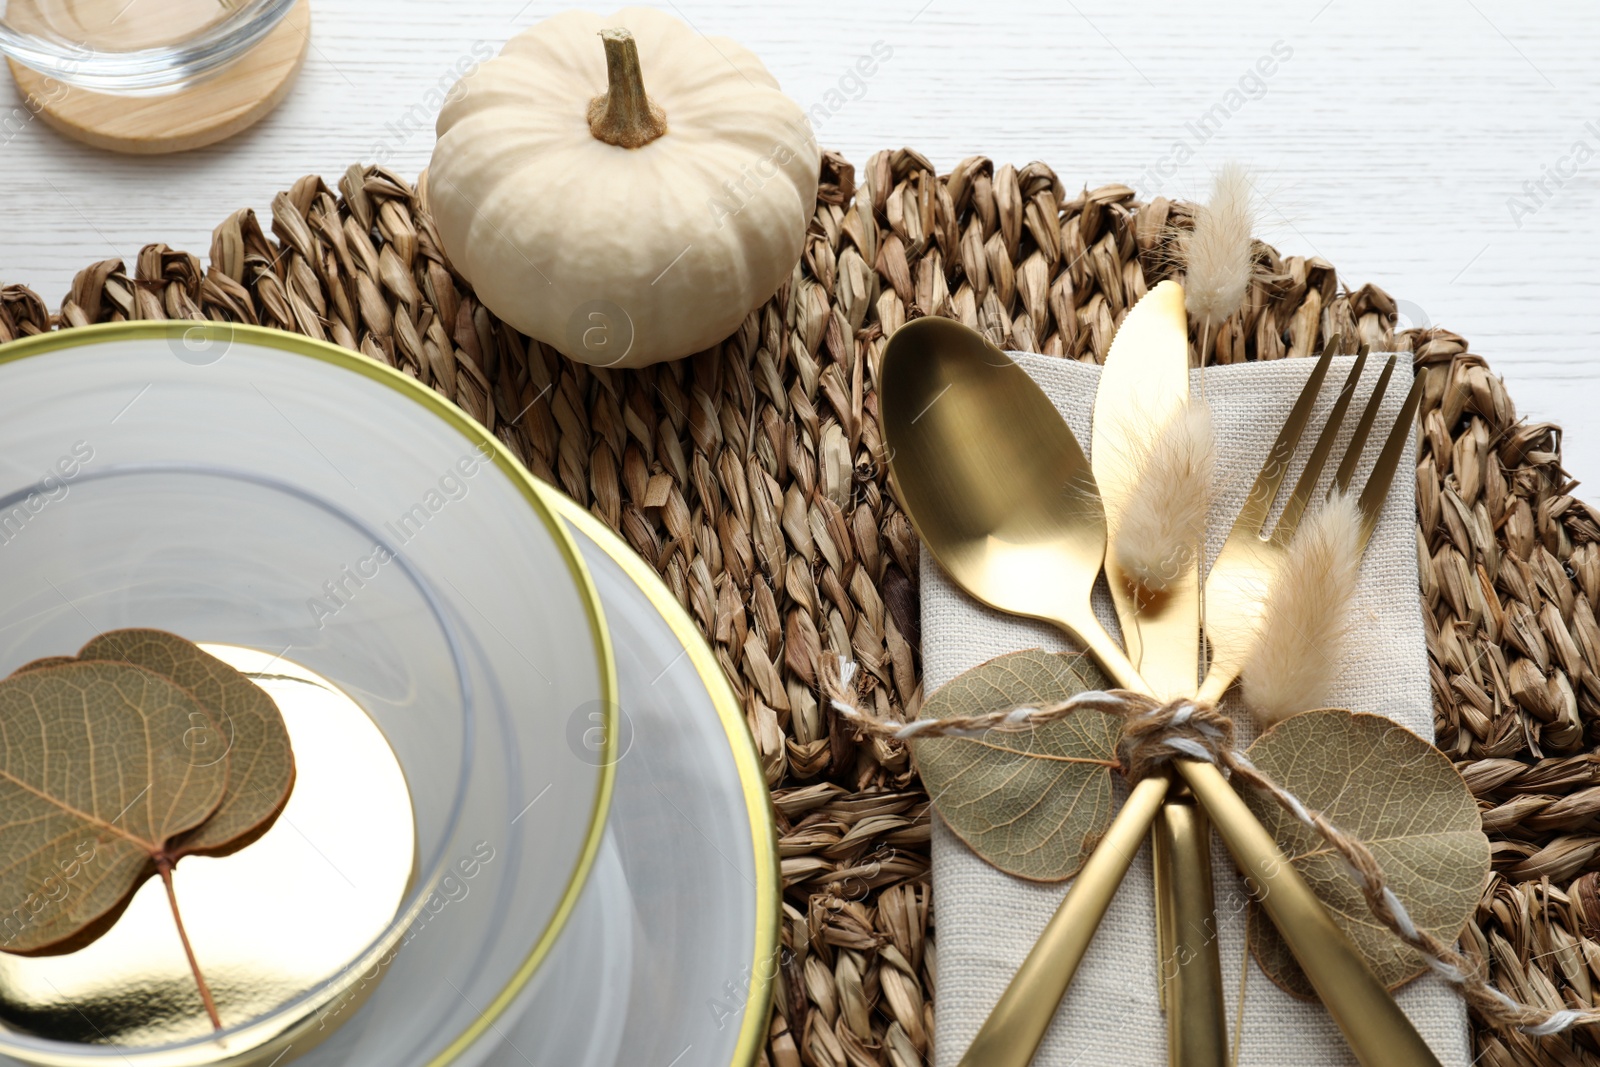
{"type": "Point", "coordinates": [624, 116]}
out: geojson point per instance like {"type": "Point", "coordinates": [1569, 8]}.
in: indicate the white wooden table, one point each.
{"type": "Point", "coordinates": [1406, 142]}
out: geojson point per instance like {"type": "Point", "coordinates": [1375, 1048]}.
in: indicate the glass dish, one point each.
{"type": "Point", "coordinates": [228, 557]}
{"type": "Point", "coordinates": [149, 46]}
{"type": "Point", "coordinates": [252, 464]}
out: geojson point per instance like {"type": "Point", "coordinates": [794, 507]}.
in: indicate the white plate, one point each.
{"type": "Point", "coordinates": [684, 905]}
{"type": "Point", "coordinates": [111, 404]}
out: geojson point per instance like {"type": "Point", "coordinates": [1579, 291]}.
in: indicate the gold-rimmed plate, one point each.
{"type": "Point", "coordinates": [690, 867]}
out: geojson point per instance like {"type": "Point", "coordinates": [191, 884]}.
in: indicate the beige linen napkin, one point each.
{"type": "Point", "coordinates": [987, 921]}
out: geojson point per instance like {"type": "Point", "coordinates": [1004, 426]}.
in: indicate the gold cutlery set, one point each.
{"type": "Point", "coordinates": [1000, 491]}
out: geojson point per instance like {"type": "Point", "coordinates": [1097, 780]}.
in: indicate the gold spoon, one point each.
{"type": "Point", "coordinates": [1007, 504]}
{"type": "Point", "coordinates": [999, 490]}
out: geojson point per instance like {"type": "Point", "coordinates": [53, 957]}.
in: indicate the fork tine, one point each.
{"type": "Point", "coordinates": [1377, 487]}
{"type": "Point", "coordinates": [1295, 506]}
{"type": "Point", "coordinates": [1253, 515]}
{"type": "Point", "coordinates": [1358, 439]}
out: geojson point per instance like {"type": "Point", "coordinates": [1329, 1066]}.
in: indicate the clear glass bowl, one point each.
{"type": "Point", "coordinates": [147, 46]}
{"type": "Point", "coordinates": [240, 559]}
{"type": "Point", "coordinates": [274, 425]}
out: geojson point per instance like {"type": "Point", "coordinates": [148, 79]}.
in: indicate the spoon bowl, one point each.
{"type": "Point", "coordinates": [995, 482]}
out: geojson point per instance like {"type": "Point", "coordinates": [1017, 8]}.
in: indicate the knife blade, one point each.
{"type": "Point", "coordinates": [1143, 384]}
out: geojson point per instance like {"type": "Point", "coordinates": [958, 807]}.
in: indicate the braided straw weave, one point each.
{"type": "Point", "coordinates": [752, 477]}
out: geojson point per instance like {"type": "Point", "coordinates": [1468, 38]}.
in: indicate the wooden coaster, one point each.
{"type": "Point", "coordinates": [203, 114]}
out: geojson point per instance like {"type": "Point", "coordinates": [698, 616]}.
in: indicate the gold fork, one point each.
{"type": "Point", "coordinates": [1240, 580]}
{"type": "Point", "coordinates": [1235, 590]}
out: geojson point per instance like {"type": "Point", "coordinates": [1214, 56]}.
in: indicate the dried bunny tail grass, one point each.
{"type": "Point", "coordinates": [1216, 254]}
{"type": "Point", "coordinates": [1299, 649]}
{"type": "Point", "coordinates": [1165, 517]}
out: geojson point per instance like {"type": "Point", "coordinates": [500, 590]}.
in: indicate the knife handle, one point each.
{"type": "Point", "coordinates": [1189, 975]}
{"type": "Point", "coordinates": [1011, 1034]}
{"type": "Point", "coordinates": [1377, 1031]}
{"type": "Point", "coordinates": [1197, 1025]}
{"type": "Point", "coordinates": [1161, 882]}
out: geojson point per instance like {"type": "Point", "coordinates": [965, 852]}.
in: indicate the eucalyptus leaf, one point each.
{"type": "Point", "coordinates": [1378, 782]}
{"type": "Point", "coordinates": [43, 662]}
{"type": "Point", "coordinates": [250, 735]}
{"type": "Point", "coordinates": [113, 767]}
{"type": "Point", "coordinates": [1033, 801]}
{"type": "Point", "coordinates": [95, 783]}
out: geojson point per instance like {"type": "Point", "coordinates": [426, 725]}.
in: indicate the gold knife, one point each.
{"type": "Point", "coordinates": [1144, 383]}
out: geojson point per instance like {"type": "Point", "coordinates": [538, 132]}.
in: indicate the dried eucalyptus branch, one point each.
{"type": "Point", "coordinates": [1190, 730]}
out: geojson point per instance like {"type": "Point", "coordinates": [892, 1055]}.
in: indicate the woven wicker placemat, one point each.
{"type": "Point", "coordinates": [752, 478]}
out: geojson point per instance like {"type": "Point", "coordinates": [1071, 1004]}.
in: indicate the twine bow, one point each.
{"type": "Point", "coordinates": [1157, 733]}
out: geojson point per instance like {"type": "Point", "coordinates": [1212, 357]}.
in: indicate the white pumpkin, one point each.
{"type": "Point", "coordinates": [621, 187]}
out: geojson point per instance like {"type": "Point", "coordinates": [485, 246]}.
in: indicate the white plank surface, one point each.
{"type": "Point", "coordinates": [1390, 138]}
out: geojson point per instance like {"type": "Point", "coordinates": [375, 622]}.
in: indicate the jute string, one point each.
{"type": "Point", "coordinates": [1156, 733]}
